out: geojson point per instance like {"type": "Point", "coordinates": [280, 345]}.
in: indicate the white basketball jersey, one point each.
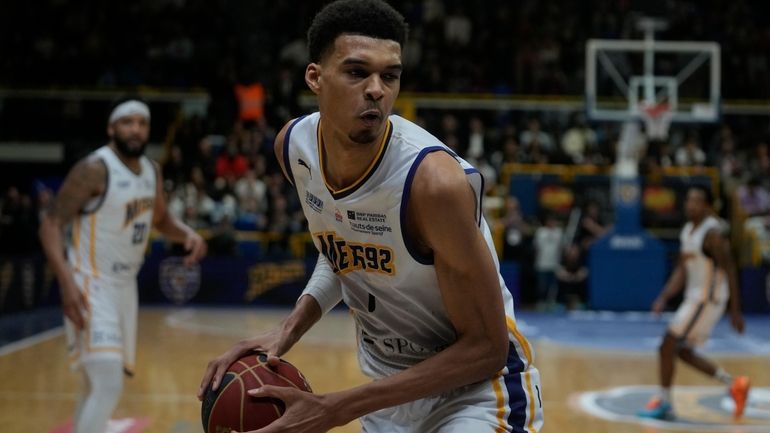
{"type": "Point", "coordinates": [110, 236]}
{"type": "Point", "coordinates": [704, 282]}
{"type": "Point", "coordinates": [391, 289]}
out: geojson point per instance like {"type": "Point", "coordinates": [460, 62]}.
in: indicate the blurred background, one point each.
{"type": "Point", "coordinates": [502, 83]}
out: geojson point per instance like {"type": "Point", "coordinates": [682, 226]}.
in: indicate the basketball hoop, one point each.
{"type": "Point", "coordinates": [657, 119]}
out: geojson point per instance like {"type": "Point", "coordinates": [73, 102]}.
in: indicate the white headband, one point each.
{"type": "Point", "coordinates": [129, 108]}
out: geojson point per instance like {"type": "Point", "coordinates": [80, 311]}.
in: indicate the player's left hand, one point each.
{"type": "Point", "coordinates": [196, 248]}
{"type": "Point", "coordinates": [305, 412]}
{"type": "Point", "coordinates": [736, 319]}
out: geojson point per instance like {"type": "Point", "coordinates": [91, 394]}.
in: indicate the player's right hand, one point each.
{"type": "Point", "coordinates": [272, 343]}
{"type": "Point", "coordinates": [658, 306]}
{"type": "Point", "coordinates": [74, 304]}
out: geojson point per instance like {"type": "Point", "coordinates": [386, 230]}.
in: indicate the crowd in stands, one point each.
{"type": "Point", "coordinates": [220, 173]}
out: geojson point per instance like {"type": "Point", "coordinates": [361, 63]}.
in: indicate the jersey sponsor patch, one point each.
{"type": "Point", "coordinates": [347, 256]}
{"type": "Point", "coordinates": [314, 202]}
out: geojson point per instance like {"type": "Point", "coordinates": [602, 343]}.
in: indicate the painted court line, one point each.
{"type": "Point", "coordinates": [31, 341]}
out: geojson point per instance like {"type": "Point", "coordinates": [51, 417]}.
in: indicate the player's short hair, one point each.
{"type": "Point", "coordinates": [373, 18]}
{"type": "Point", "coordinates": [707, 194]}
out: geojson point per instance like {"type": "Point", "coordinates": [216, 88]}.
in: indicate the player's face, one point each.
{"type": "Point", "coordinates": [357, 83]}
{"type": "Point", "coordinates": [130, 134]}
{"type": "Point", "coordinates": [695, 205]}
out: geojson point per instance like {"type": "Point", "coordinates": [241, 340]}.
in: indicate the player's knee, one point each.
{"type": "Point", "coordinates": [668, 346]}
{"type": "Point", "coordinates": [106, 379]}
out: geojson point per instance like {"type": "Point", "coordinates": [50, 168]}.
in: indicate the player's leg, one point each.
{"type": "Point", "coordinates": [106, 385]}
{"type": "Point", "coordinates": [660, 406]}
{"type": "Point", "coordinates": [509, 402]}
{"type": "Point", "coordinates": [695, 336]}
{"type": "Point", "coordinates": [102, 357]}
{"type": "Point", "coordinates": [82, 396]}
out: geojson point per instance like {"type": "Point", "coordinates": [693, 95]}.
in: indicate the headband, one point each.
{"type": "Point", "coordinates": [129, 108]}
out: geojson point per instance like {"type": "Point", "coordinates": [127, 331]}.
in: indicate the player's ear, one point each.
{"type": "Point", "coordinates": [110, 130]}
{"type": "Point", "coordinates": [313, 77]}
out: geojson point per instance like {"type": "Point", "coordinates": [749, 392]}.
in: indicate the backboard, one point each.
{"type": "Point", "coordinates": [623, 76]}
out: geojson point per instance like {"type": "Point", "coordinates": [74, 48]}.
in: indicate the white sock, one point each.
{"type": "Point", "coordinates": [106, 380]}
{"type": "Point", "coordinates": [723, 376]}
{"type": "Point", "coordinates": [85, 389]}
{"type": "Point", "coordinates": [665, 394]}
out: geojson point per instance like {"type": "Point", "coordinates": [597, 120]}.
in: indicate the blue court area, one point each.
{"type": "Point", "coordinates": [638, 332]}
{"type": "Point", "coordinates": [602, 330]}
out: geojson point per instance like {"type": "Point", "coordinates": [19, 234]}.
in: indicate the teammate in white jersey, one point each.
{"type": "Point", "coordinates": [707, 273]}
{"type": "Point", "coordinates": [112, 198]}
{"type": "Point", "coordinates": [396, 216]}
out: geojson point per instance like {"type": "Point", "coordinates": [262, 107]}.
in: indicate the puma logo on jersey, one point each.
{"type": "Point", "coordinates": [304, 164]}
{"type": "Point", "coordinates": [137, 207]}
{"type": "Point", "coordinates": [347, 256]}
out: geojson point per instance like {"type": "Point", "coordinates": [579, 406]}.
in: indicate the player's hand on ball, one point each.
{"type": "Point", "coordinates": [196, 248]}
{"type": "Point", "coordinates": [273, 343]}
{"type": "Point", "coordinates": [305, 412]}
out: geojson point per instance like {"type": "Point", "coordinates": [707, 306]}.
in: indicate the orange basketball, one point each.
{"type": "Point", "coordinates": [231, 408]}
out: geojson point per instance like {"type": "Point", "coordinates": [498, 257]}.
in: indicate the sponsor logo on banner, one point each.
{"type": "Point", "coordinates": [266, 276]}
{"type": "Point", "coordinates": [556, 198]}
{"type": "Point", "coordinates": [179, 282]}
{"type": "Point", "coordinates": [660, 200]}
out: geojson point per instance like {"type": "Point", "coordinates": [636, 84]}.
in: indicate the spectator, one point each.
{"type": "Point", "coordinates": [591, 226]}
{"type": "Point", "coordinates": [572, 279]}
{"type": "Point", "coordinates": [690, 154]}
{"type": "Point", "coordinates": [231, 164]}
{"type": "Point", "coordinates": [578, 140]}
{"type": "Point", "coordinates": [517, 231]}
{"type": "Point", "coordinates": [533, 134]}
{"type": "Point", "coordinates": [547, 244]}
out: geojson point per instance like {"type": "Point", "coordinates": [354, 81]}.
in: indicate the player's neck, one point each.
{"type": "Point", "coordinates": [130, 162]}
{"type": "Point", "coordinates": [344, 160]}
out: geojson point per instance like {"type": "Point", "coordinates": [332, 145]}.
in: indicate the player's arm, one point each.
{"type": "Point", "coordinates": [174, 229]}
{"type": "Point", "coordinates": [673, 286]}
{"type": "Point", "coordinates": [324, 286]}
{"type": "Point", "coordinates": [86, 180]}
{"type": "Point", "coordinates": [321, 294]}
{"type": "Point", "coordinates": [717, 246]}
{"type": "Point", "coordinates": [442, 208]}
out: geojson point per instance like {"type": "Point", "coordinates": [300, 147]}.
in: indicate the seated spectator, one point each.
{"type": "Point", "coordinates": [231, 164]}
{"type": "Point", "coordinates": [533, 134]}
{"type": "Point", "coordinates": [572, 279]}
{"type": "Point", "coordinates": [690, 154]}
{"type": "Point", "coordinates": [754, 201]}
{"type": "Point", "coordinates": [578, 140]}
{"type": "Point", "coordinates": [591, 226]}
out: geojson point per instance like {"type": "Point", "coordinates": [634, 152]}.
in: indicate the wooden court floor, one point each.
{"type": "Point", "coordinates": [37, 390]}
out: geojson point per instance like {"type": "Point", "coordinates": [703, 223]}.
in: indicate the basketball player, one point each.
{"type": "Point", "coordinates": [706, 271]}
{"type": "Point", "coordinates": [112, 198]}
{"type": "Point", "coordinates": [396, 217]}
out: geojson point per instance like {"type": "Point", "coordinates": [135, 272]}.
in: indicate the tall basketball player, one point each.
{"type": "Point", "coordinates": [396, 217]}
{"type": "Point", "coordinates": [112, 198]}
{"type": "Point", "coordinates": [707, 273]}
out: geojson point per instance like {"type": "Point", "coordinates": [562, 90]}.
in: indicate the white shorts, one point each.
{"type": "Point", "coordinates": [695, 319]}
{"type": "Point", "coordinates": [110, 331]}
{"type": "Point", "coordinates": [509, 402]}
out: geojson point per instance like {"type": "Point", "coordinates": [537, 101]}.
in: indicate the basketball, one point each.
{"type": "Point", "coordinates": [231, 408]}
